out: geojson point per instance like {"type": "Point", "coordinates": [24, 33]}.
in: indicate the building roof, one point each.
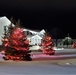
{"type": "Point", "coordinates": [5, 21]}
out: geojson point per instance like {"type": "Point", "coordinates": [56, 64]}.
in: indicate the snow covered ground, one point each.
{"type": "Point", "coordinates": [36, 48]}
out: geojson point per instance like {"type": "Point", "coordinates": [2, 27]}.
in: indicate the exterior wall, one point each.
{"type": "Point", "coordinates": [3, 22]}
{"type": "Point", "coordinates": [35, 40]}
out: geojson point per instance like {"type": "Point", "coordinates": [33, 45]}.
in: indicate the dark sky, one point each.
{"type": "Point", "coordinates": [56, 16]}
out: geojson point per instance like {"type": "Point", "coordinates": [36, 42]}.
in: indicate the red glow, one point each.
{"type": "Point", "coordinates": [74, 45]}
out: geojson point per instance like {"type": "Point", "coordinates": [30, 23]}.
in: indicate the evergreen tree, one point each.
{"type": "Point", "coordinates": [47, 45]}
{"type": "Point", "coordinates": [16, 44]}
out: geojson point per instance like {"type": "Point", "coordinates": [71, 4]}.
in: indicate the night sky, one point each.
{"type": "Point", "coordinates": [58, 17]}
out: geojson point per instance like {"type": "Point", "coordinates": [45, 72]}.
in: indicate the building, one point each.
{"type": "Point", "coordinates": [35, 37]}
{"type": "Point", "coordinates": [4, 23]}
{"type": "Point", "coordinates": [35, 40]}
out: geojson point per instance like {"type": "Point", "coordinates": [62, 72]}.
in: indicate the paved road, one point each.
{"type": "Point", "coordinates": [49, 67]}
{"type": "Point", "coordinates": [36, 68]}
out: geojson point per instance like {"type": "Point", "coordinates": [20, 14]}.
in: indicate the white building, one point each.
{"type": "Point", "coordinates": [35, 37]}
{"type": "Point", "coordinates": [35, 40]}
{"type": "Point", "coordinates": [4, 22]}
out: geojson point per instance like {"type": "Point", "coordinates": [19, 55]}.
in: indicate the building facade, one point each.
{"type": "Point", "coordinates": [35, 37]}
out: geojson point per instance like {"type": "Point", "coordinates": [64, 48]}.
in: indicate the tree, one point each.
{"type": "Point", "coordinates": [47, 45]}
{"type": "Point", "coordinates": [67, 41]}
{"type": "Point", "coordinates": [16, 44]}
{"type": "Point", "coordinates": [57, 33]}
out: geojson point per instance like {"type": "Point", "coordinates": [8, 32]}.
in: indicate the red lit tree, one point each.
{"type": "Point", "coordinates": [74, 45]}
{"type": "Point", "coordinates": [47, 45]}
{"type": "Point", "coordinates": [16, 44]}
